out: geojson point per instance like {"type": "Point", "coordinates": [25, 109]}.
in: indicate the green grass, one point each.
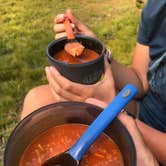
{"type": "Point", "coordinates": [26, 30]}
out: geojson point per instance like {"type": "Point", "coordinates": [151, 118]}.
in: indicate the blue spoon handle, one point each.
{"type": "Point", "coordinates": [102, 121]}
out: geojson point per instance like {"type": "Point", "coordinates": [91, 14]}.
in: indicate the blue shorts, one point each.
{"type": "Point", "coordinates": [153, 105]}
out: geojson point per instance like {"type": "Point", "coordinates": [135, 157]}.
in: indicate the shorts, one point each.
{"type": "Point", "coordinates": [153, 105]}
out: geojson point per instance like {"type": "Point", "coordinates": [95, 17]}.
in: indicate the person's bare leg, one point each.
{"type": "Point", "coordinates": [36, 98]}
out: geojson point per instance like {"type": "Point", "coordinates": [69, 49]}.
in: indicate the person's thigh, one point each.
{"type": "Point", "coordinates": [36, 98]}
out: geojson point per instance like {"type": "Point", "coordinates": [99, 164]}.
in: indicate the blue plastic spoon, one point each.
{"type": "Point", "coordinates": [73, 156]}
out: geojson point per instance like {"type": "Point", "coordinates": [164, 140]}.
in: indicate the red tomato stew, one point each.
{"type": "Point", "coordinates": [104, 152]}
{"type": "Point", "coordinates": [87, 55]}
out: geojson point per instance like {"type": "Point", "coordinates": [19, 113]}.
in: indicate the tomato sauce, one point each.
{"type": "Point", "coordinates": [104, 152]}
{"type": "Point", "coordinates": [87, 55]}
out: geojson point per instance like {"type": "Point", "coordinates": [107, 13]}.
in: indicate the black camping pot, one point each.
{"type": "Point", "coordinates": [85, 73]}
{"type": "Point", "coordinates": [62, 113]}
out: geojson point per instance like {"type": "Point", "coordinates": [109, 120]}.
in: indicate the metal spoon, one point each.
{"type": "Point", "coordinates": [73, 156]}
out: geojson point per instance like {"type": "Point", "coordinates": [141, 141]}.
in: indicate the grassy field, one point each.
{"type": "Point", "coordinates": [26, 30]}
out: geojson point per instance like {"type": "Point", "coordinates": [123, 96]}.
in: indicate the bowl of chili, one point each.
{"type": "Point", "coordinates": [54, 128]}
{"type": "Point", "coordinates": [86, 68]}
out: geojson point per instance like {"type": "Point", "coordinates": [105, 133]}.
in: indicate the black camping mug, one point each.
{"type": "Point", "coordinates": [85, 73]}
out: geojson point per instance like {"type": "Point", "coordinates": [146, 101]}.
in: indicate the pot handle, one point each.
{"type": "Point", "coordinates": [102, 121]}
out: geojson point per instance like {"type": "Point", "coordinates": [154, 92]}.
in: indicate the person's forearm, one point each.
{"type": "Point", "coordinates": [123, 75]}
{"type": "Point", "coordinates": [155, 140]}
{"type": "Point", "coordinates": [136, 74]}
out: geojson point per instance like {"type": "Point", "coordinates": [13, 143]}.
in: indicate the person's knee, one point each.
{"type": "Point", "coordinates": [36, 98]}
{"type": "Point", "coordinates": [29, 102]}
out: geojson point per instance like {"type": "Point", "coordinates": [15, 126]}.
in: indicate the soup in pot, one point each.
{"type": "Point", "coordinates": [87, 55]}
{"type": "Point", "coordinates": [103, 152]}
